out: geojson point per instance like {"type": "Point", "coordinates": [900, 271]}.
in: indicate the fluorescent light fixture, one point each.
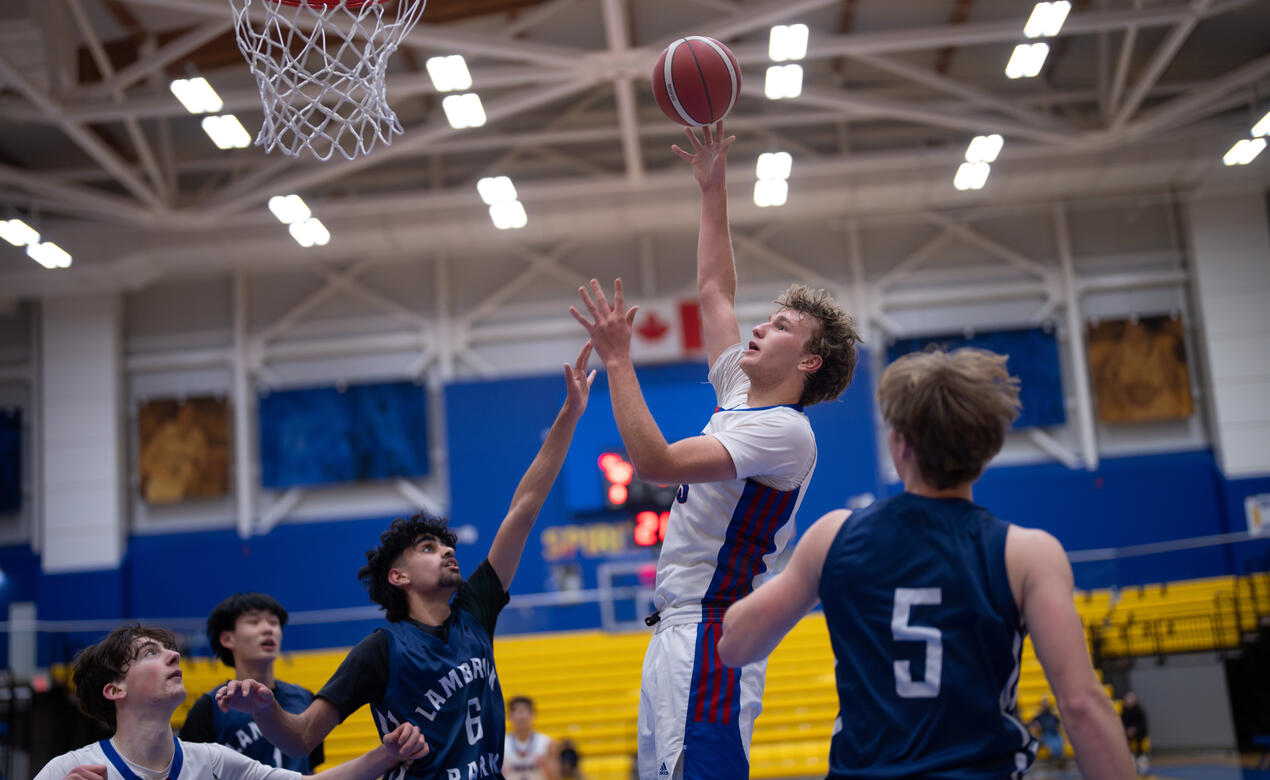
{"type": "Point", "coordinates": [310, 232]}
{"type": "Point", "coordinates": [496, 189]}
{"type": "Point", "coordinates": [289, 208]}
{"type": "Point", "coordinates": [197, 95]}
{"type": "Point", "coordinates": [1262, 127]}
{"type": "Point", "coordinates": [787, 42]}
{"type": "Point", "coordinates": [226, 132]}
{"type": "Point", "coordinates": [18, 233]}
{"type": "Point", "coordinates": [770, 192]}
{"type": "Point", "coordinates": [49, 255]}
{"type": "Point", "coordinates": [783, 81]}
{"type": "Point", "coordinates": [464, 110]}
{"type": "Point", "coordinates": [1027, 60]}
{"type": "Point", "coordinates": [449, 74]}
{"type": "Point", "coordinates": [509, 216]}
{"type": "Point", "coordinates": [774, 165]}
{"type": "Point", "coordinates": [1244, 152]}
{"type": "Point", "coordinates": [972, 175]}
{"type": "Point", "coordinates": [984, 148]}
{"type": "Point", "coordinates": [1047, 19]}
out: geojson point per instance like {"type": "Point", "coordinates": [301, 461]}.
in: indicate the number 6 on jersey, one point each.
{"type": "Point", "coordinates": [905, 686]}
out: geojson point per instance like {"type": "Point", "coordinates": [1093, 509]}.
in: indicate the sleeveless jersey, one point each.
{"type": "Point", "coordinates": [239, 731]}
{"type": "Point", "coordinates": [927, 639]}
{"type": "Point", "coordinates": [723, 539]}
{"type": "Point", "coordinates": [520, 760]}
{"type": "Point", "coordinates": [451, 692]}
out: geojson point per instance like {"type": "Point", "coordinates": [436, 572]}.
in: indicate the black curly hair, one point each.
{"type": "Point", "coordinates": [392, 543]}
{"type": "Point", "coordinates": [225, 616]}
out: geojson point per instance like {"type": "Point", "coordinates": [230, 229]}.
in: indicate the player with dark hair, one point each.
{"type": "Point", "coordinates": [740, 482]}
{"type": "Point", "coordinates": [433, 663]}
{"type": "Point", "coordinates": [927, 597]}
{"type": "Point", "coordinates": [528, 754]}
{"type": "Point", "coordinates": [245, 632]}
{"type": "Point", "coordinates": [131, 681]}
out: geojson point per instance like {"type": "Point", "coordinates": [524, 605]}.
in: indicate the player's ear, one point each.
{"type": "Point", "coordinates": [226, 640]}
{"type": "Point", "coordinates": [811, 362]}
{"type": "Point", "coordinates": [114, 691]}
{"type": "Point", "coordinates": [398, 578]}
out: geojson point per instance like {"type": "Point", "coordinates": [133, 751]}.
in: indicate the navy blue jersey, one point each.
{"type": "Point", "coordinates": [928, 641]}
{"type": "Point", "coordinates": [206, 723]}
{"type": "Point", "coordinates": [450, 691]}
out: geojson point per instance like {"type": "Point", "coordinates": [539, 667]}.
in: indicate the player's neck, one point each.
{"type": "Point", "coordinates": [260, 671]}
{"type": "Point", "coordinates": [523, 736]}
{"type": "Point", "coordinates": [919, 488]}
{"type": "Point", "coordinates": [784, 392]}
{"type": "Point", "coordinates": [431, 610]}
{"type": "Point", "coordinates": [145, 738]}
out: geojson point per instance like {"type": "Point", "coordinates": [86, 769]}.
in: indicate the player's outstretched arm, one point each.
{"type": "Point", "coordinates": [716, 267]}
{"type": "Point", "coordinates": [509, 542]}
{"type": "Point", "coordinates": [754, 625]}
{"type": "Point", "coordinates": [405, 743]}
{"type": "Point", "coordinates": [1041, 579]}
{"type": "Point", "coordinates": [696, 459]}
{"type": "Point", "coordinates": [295, 734]}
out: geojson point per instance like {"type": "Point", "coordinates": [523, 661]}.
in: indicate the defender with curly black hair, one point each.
{"type": "Point", "coordinates": [433, 663]}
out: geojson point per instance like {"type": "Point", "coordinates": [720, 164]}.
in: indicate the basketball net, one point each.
{"type": "Point", "coordinates": [320, 66]}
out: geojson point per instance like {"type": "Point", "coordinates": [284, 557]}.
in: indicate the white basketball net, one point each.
{"type": "Point", "coordinates": [321, 69]}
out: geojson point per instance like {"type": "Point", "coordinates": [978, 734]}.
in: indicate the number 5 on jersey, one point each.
{"type": "Point", "coordinates": [902, 631]}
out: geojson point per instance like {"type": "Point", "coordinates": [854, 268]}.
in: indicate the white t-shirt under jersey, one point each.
{"type": "Point", "coordinates": [520, 759]}
{"type": "Point", "coordinates": [201, 761]}
{"type": "Point", "coordinates": [725, 538]}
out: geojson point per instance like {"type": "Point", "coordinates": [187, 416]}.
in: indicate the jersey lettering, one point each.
{"type": "Point", "coordinates": [902, 631]}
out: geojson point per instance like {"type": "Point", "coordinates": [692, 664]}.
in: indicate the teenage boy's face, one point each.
{"type": "Point", "coordinates": [429, 565]}
{"type": "Point", "coordinates": [257, 636]}
{"type": "Point", "coordinates": [152, 677]}
{"type": "Point", "coordinates": [777, 346]}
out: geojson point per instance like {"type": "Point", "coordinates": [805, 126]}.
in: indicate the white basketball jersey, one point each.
{"type": "Point", "coordinates": [520, 759]}
{"type": "Point", "coordinates": [723, 539]}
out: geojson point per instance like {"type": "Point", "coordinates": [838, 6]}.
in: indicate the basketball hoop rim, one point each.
{"type": "Point", "coordinates": [328, 3]}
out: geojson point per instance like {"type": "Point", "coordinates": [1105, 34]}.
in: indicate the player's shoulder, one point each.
{"type": "Point", "coordinates": [60, 766]}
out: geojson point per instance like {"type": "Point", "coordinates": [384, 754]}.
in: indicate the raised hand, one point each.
{"type": "Point", "coordinates": [88, 772]}
{"type": "Point", "coordinates": [406, 743]}
{"type": "Point", "coordinates": [610, 325]}
{"type": "Point", "coordinates": [247, 696]}
{"type": "Point", "coordinates": [578, 381]}
{"type": "Point", "coordinates": [709, 159]}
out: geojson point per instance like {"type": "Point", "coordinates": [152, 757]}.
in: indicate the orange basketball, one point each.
{"type": "Point", "coordinates": [696, 81]}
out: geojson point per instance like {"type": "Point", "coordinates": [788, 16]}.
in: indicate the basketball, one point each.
{"type": "Point", "coordinates": [696, 81]}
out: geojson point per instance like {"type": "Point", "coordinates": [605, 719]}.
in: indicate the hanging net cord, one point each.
{"type": "Point", "coordinates": [321, 71]}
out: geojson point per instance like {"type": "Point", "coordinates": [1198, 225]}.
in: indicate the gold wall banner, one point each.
{"type": "Point", "coordinates": [184, 449]}
{"type": "Point", "coordinates": [1139, 370]}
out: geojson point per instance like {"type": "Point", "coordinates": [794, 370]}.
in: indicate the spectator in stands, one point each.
{"type": "Point", "coordinates": [570, 766]}
{"type": "Point", "coordinates": [131, 682]}
{"type": "Point", "coordinates": [245, 632]}
{"type": "Point", "coordinates": [1045, 722]}
{"type": "Point", "coordinates": [928, 596]}
{"type": "Point", "coordinates": [1135, 730]}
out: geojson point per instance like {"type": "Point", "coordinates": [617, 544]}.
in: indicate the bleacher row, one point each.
{"type": "Point", "coordinates": [586, 684]}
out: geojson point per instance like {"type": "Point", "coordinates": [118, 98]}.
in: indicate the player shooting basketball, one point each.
{"type": "Point", "coordinates": [740, 483]}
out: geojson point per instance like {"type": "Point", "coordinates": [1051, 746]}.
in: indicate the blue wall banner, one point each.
{"type": "Point", "coordinates": [1033, 354]}
{"type": "Point", "coordinates": [326, 435]}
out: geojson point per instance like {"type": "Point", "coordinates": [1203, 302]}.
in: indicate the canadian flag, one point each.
{"type": "Point", "coordinates": [666, 331]}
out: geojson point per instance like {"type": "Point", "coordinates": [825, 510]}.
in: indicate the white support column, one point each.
{"type": "Point", "coordinates": [1230, 239]}
{"type": "Point", "coordinates": [1076, 343]}
{"type": "Point", "coordinates": [82, 447]}
{"type": "Point", "coordinates": [244, 407]}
